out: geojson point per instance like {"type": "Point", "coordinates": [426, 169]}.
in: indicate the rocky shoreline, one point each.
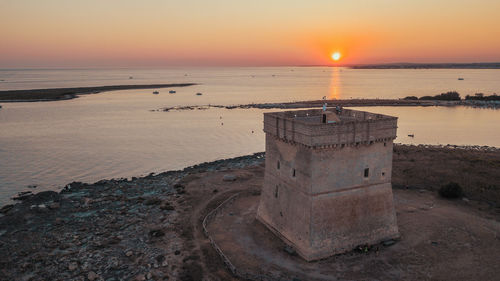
{"type": "Point", "coordinates": [114, 229]}
{"type": "Point", "coordinates": [146, 228]}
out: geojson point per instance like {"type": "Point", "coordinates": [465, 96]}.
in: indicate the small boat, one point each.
{"type": "Point", "coordinates": [171, 92]}
{"type": "Point", "coordinates": [411, 135]}
{"type": "Point", "coordinates": [199, 94]}
{"type": "Point", "coordinates": [460, 78]}
{"type": "Point", "coordinates": [156, 92]}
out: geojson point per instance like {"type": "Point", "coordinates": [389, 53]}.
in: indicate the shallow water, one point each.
{"type": "Point", "coordinates": [115, 134]}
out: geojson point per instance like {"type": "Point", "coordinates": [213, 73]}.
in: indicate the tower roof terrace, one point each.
{"type": "Point", "coordinates": [316, 128]}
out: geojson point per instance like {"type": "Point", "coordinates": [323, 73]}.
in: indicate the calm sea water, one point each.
{"type": "Point", "coordinates": [115, 134]}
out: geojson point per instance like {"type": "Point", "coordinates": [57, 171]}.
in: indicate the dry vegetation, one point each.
{"type": "Point", "coordinates": [477, 171]}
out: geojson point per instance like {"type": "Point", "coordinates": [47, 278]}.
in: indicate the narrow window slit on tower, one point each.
{"type": "Point", "coordinates": [367, 172]}
{"type": "Point", "coordinates": [278, 165]}
{"type": "Point", "coordinates": [276, 192]}
{"type": "Point", "coordinates": [293, 173]}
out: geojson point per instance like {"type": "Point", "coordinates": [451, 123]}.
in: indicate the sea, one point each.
{"type": "Point", "coordinates": [45, 145]}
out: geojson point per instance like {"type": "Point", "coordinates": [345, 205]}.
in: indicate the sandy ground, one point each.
{"type": "Point", "coordinates": [440, 240]}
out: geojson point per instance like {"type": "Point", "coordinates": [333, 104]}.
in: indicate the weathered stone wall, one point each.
{"type": "Point", "coordinates": [342, 220]}
{"type": "Point", "coordinates": [344, 168]}
{"type": "Point", "coordinates": [285, 203]}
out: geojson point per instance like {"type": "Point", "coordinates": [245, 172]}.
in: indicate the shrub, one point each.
{"type": "Point", "coordinates": [426, 98]}
{"type": "Point", "coordinates": [481, 96]}
{"type": "Point", "coordinates": [453, 95]}
{"type": "Point", "coordinates": [451, 190]}
{"type": "Point", "coordinates": [410, 98]}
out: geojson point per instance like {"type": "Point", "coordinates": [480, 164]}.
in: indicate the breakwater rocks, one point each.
{"type": "Point", "coordinates": [119, 229]}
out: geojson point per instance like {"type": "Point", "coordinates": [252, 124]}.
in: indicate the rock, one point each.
{"type": "Point", "coordinates": [149, 275]}
{"type": "Point", "coordinates": [40, 207]}
{"type": "Point", "coordinates": [114, 263]}
{"type": "Point", "coordinates": [160, 258]}
{"type": "Point", "coordinates": [129, 253]}
{"type": "Point", "coordinates": [92, 276]}
{"type": "Point", "coordinates": [178, 185]}
{"type": "Point", "coordinates": [389, 242]}
{"type": "Point", "coordinates": [113, 240]}
{"type": "Point", "coordinates": [153, 201]}
{"type": "Point", "coordinates": [156, 233]}
{"type": "Point", "coordinates": [72, 266]}
{"type": "Point", "coordinates": [23, 195]}
{"type": "Point", "coordinates": [167, 207]}
{"type": "Point", "coordinates": [177, 252]}
{"type": "Point", "coordinates": [140, 277]}
{"type": "Point", "coordinates": [87, 201]}
{"type": "Point", "coordinates": [229, 177]}
{"type": "Point", "coordinates": [54, 205]}
{"type": "Point", "coordinates": [44, 197]}
{"type": "Point", "coordinates": [291, 251]}
{"type": "Point", "coordinates": [6, 208]}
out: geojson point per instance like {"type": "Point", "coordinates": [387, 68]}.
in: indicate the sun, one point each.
{"type": "Point", "coordinates": [336, 56]}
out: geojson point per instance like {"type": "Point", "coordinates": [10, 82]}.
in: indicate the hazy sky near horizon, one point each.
{"type": "Point", "coordinates": [71, 33]}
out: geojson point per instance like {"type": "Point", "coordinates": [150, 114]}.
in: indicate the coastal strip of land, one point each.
{"type": "Point", "coordinates": [479, 65]}
{"type": "Point", "coordinates": [55, 94]}
{"type": "Point", "coordinates": [341, 103]}
{"type": "Point", "coordinates": [310, 104]}
{"type": "Point", "coordinates": [150, 227]}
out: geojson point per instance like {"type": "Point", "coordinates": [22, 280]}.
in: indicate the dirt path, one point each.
{"type": "Point", "coordinates": [205, 192]}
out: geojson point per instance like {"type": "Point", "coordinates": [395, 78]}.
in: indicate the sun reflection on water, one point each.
{"type": "Point", "coordinates": [335, 84]}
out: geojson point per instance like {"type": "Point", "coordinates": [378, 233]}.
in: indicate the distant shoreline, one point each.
{"type": "Point", "coordinates": [480, 65]}
{"type": "Point", "coordinates": [55, 94]}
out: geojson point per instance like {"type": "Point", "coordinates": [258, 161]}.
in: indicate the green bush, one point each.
{"type": "Point", "coordinates": [410, 98]}
{"type": "Point", "coordinates": [451, 190]}
{"type": "Point", "coordinates": [453, 95]}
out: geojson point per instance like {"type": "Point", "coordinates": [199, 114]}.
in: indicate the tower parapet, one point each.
{"type": "Point", "coordinates": [306, 127]}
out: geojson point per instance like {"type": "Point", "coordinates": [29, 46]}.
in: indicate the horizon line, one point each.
{"type": "Point", "coordinates": [249, 66]}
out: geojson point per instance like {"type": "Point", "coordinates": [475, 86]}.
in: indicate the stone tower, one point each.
{"type": "Point", "coordinates": [327, 185]}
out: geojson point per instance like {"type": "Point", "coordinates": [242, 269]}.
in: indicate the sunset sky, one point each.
{"type": "Point", "coordinates": [55, 33]}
